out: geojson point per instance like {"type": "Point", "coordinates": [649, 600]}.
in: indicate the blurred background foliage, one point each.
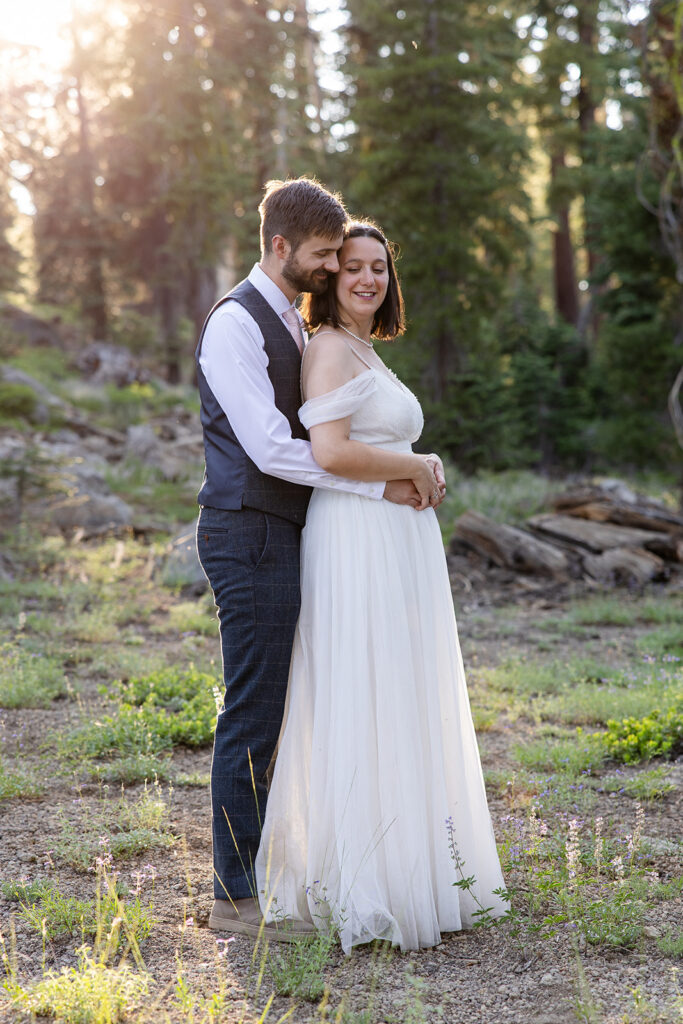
{"type": "Point", "coordinates": [524, 156]}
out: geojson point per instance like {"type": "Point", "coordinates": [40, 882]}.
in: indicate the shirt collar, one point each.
{"type": "Point", "coordinates": [269, 290]}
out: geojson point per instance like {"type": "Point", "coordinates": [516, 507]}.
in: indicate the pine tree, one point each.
{"type": "Point", "coordinates": [205, 121]}
{"type": "Point", "coordinates": [436, 157]}
{"type": "Point", "coordinates": [580, 57]}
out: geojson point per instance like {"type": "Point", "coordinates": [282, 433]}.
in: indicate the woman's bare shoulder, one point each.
{"type": "Point", "coordinates": [327, 340]}
{"type": "Point", "coordinates": [327, 364]}
{"type": "Point", "coordinates": [327, 347]}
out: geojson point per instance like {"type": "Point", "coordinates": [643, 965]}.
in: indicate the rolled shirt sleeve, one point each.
{"type": "Point", "coordinates": [234, 362]}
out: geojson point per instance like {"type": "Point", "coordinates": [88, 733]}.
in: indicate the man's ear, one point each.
{"type": "Point", "coordinates": [281, 247]}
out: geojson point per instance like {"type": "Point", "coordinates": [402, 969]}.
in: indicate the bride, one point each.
{"type": "Point", "coordinates": [377, 806]}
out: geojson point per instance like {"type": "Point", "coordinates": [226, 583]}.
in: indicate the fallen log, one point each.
{"type": "Point", "coordinates": [510, 547]}
{"type": "Point", "coordinates": [624, 565]}
{"type": "Point", "coordinates": [583, 494]}
{"type": "Point", "coordinates": [594, 536]}
{"type": "Point", "coordinates": [644, 517]}
{"type": "Point", "coordinates": [670, 548]}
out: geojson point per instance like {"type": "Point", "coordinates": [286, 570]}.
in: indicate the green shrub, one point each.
{"type": "Point", "coordinates": [614, 920]}
{"type": "Point", "coordinates": [17, 401]}
{"type": "Point", "coordinates": [188, 694]}
{"type": "Point", "coordinates": [165, 709]}
{"type": "Point", "coordinates": [659, 734]}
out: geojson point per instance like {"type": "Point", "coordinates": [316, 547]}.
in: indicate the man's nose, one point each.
{"type": "Point", "coordinates": [332, 264]}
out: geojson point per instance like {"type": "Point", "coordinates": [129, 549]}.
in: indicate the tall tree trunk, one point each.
{"type": "Point", "coordinates": [94, 300]}
{"type": "Point", "coordinates": [587, 29]}
{"type": "Point", "coordinates": [167, 305]}
{"type": "Point", "coordinates": [443, 340]}
{"type": "Point", "coordinates": [566, 293]}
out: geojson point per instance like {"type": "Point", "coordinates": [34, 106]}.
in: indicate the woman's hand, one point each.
{"type": "Point", "coordinates": [425, 483]}
{"type": "Point", "coordinates": [436, 465]}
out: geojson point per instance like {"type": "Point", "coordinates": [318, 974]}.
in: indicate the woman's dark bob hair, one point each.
{"type": "Point", "coordinates": [389, 321]}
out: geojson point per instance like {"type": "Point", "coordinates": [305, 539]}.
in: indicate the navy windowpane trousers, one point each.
{"type": "Point", "coordinates": [251, 560]}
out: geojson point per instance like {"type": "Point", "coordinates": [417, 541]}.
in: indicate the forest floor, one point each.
{"type": "Point", "coordinates": [106, 681]}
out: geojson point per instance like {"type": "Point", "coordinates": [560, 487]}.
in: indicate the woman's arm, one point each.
{"type": "Point", "coordinates": [328, 365]}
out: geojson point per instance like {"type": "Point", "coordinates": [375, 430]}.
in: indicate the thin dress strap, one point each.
{"type": "Point", "coordinates": [303, 356]}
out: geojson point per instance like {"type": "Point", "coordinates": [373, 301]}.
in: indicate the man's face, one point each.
{"type": "Point", "coordinates": [308, 267]}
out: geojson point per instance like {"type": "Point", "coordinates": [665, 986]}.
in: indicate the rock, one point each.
{"type": "Point", "coordinates": [93, 513]}
{"type": "Point", "coordinates": [141, 443]}
{"type": "Point", "coordinates": [650, 932]}
{"type": "Point", "coordinates": [619, 490]}
{"type": "Point", "coordinates": [172, 460]}
{"type": "Point", "coordinates": [32, 328]}
{"type": "Point", "coordinates": [15, 376]}
{"type": "Point", "coordinates": [105, 363]}
{"type": "Point", "coordinates": [548, 979]}
{"type": "Point", "coordinates": [46, 403]}
{"type": "Point", "coordinates": [181, 566]}
{"type": "Point", "coordinates": [85, 502]}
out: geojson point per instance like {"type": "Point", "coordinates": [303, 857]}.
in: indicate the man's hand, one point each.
{"type": "Point", "coordinates": [402, 492]}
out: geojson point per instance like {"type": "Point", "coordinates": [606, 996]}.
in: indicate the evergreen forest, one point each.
{"type": "Point", "coordinates": [525, 156]}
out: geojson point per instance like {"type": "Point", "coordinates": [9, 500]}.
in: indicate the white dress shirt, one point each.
{"type": "Point", "coordinates": [234, 362]}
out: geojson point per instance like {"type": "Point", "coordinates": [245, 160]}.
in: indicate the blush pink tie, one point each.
{"type": "Point", "coordinates": [291, 318]}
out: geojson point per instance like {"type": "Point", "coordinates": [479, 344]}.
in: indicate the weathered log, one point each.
{"type": "Point", "coordinates": [624, 565]}
{"type": "Point", "coordinates": [671, 548]}
{"type": "Point", "coordinates": [644, 517]}
{"type": "Point", "coordinates": [594, 536]}
{"type": "Point", "coordinates": [614, 491]}
{"type": "Point", "coordinates": [508, 546]}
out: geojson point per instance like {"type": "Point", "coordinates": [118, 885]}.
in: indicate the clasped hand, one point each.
{"type": "Point", "coordinates": [426, 488]}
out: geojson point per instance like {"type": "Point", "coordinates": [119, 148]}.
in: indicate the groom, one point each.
{"type": "Point", "coordinates": [257, 483]}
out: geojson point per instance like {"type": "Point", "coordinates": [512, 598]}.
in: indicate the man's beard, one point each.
{"type": "Point", "coordinates": [303, 280]}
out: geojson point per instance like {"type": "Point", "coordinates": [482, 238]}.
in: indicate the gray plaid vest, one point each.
{"type": "Point", "coordinates": [231, 479]}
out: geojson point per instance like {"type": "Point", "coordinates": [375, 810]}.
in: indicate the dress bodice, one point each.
{"type": "Point", "coordinates": [383, 411]}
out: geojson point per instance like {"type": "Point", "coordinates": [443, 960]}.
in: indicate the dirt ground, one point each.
{"type": "Point", "coordinates": [480, 977]}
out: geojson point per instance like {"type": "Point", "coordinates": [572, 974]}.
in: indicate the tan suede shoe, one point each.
{"type": "Point", "coordinates": [245, 918]}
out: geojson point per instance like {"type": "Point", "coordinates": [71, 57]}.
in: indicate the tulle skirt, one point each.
{"type": "Point", "coordinates": [377, 806]}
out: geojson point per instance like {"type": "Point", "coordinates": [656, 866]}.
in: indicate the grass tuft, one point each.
{"type": "Point", "coordinates": [652, 784]}
{"type": "Point", "coordinates": [29, 679]}
{"type": "Point", "coordinates": [109, 829]}
{"type": "Point", "coordinates": [90, 993]}
{"type": "Point", "coordinates": [52, 914]}
{"type": "Point", "coordinates": [16, 784]}
{"type": "Point", "coordinates": [580, 754]}
{"type": "Point", "coordinates": [297, 967]}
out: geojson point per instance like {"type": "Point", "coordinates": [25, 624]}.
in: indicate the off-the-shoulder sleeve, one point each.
{"type": "Point", "coordinates": [341, 402]}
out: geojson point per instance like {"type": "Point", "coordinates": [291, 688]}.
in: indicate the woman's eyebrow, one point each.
{"type": "Point", "coordinates": [356, 259]}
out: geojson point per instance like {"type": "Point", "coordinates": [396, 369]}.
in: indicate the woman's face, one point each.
{"type": "Point", "coordinates": [363, 278]}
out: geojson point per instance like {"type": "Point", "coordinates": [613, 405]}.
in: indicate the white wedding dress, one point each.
{"type": "Point", "coordinates": [377, 782]}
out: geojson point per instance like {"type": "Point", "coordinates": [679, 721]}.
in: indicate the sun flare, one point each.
{"type": "Point", "coordinates": [42, 26]}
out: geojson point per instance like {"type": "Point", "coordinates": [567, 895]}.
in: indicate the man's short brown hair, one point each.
{"type": "Point", "coordinates": [297, 209]}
